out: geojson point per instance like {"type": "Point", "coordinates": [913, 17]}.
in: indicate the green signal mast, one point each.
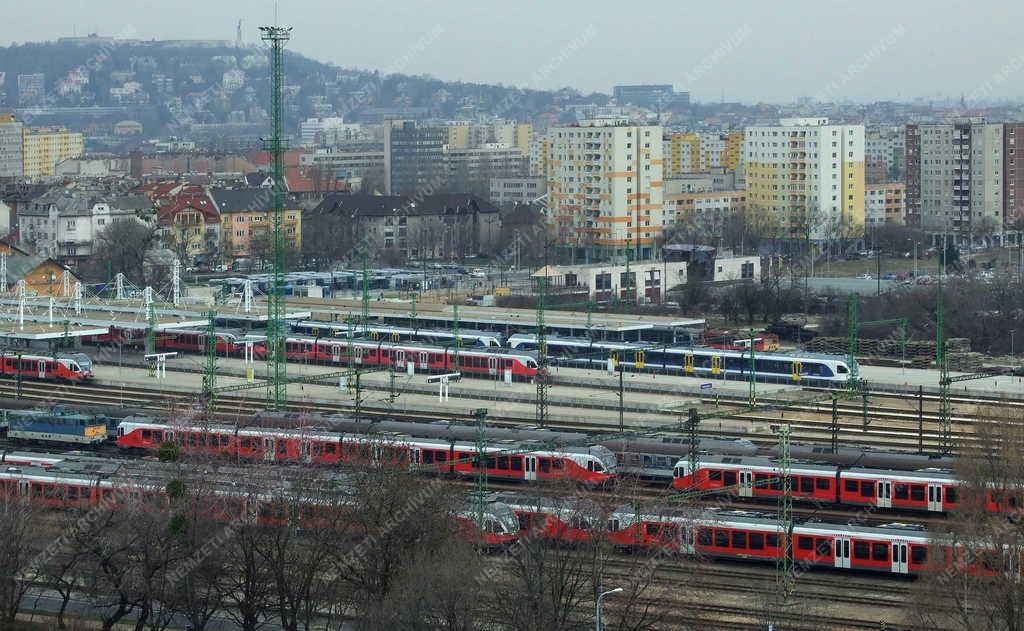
{"type": "Point", "coordinates": [277, 373]}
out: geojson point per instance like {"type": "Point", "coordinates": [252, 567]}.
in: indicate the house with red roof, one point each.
{"type": "Point", "coordinates": [190, 225]}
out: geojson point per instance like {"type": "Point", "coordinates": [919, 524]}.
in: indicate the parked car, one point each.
{"type": "Point", "coordinates": [889, 276]}
{"type": "Point", "coordinates": [864, 276]}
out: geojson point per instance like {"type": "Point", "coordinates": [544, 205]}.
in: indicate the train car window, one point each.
{"type": "Point", "coordinates": [775, 483]}
{"type": "Point", "coordinates": [503, 462]}
{"type": "Point", "coordinates": [652, 530]}
{"type": "Point", "coordinates": [1012, 501]}
{"type": "Point", "coordinates": [761, 480]}
{"type": "Point", "coordinates": [146, 434]}
{"type": "Point", "coordinates": [557, 464]}
{"type": "Point", "coordinates": [917, 492]}
{"type": "Point", "coordinates": [950, 495]}
{"type": "Point", "coordinates": [517, 463]}
{"type": "Point", "coordinates": [918, 555]}
{"type": "Point", "coordinates": [427, 456]}
{"type": "Point", "coordinates": [715, 475]}
{"type": "Point", "coordinates": [730, 478]}
{"type": "Point", "coordinates": [756, 541]}
{"type": "Point", "coordinates": [823, 484]}
{"type": "Point", "coordinates": [490, 462]}
{"type": "Point", "coordinates": [805, 543]}
{"type": "Point", "coordinates": [900, 491]}
{"type": "Point", "coordinates": [722, 538]}
{"type": "Point", "coordinates": [879, 552]}
{"type": "Point", "coordinates": [823, 547]}
{"type": "Point", "coordinates": [851, 486]}
{"type": "Point", "coordinates": [867, 489]}
{"type": "Point", "coordinates": [861, 550]}
{"type": "Point", "coordinates": [330, 448]}
{"type": "Point", "coordinates": [806, 485]}
{"type": "Point", "coordinates": [545, 465]}
{"type": "Point", "coordinates": [704, 537]}
{"type": "Point", "coordinates": [441, 456]}
{"type": "Point", "coordinates": [771, 540]}
{"type": "Point", "coordinates": [739, 539]}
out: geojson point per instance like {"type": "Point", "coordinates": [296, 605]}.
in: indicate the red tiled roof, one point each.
{"type": "Point", "coordinates": [303, 180]}
{"type": "Point", "coordinates": [200, 202]}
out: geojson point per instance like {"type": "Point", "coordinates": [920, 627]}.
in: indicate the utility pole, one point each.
{"type": "Point", "coordinates": [752, 398]}
{"type": "Point", "coordinates": [692, 423]}
{"type": "Point", "coordinates": [366, 296]}
{"type": "Point", "coordinates": [852, 340]}
{"type": "Point", "coordinates": [276, 311]}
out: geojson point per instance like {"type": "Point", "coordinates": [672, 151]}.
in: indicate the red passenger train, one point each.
{"type": "Point", "coordinates": [423, 358]}
{"type": "Point", "coordinates": [525, 461]}
{"type": "Point", "coordinates": [73, 488]}
{"type": "Point", "coordinates": [924, 490]}
{"type": "Point", "coordinates": [69, 367]}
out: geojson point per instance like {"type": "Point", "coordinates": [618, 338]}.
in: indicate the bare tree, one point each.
{"type": "Point", "coordinates": [18, 549]}
{"type": "Point", "coordinates": [974, 582]}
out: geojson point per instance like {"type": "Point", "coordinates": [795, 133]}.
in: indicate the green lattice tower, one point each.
{"type": "Point", "coordinates": [210, 374]}
{"type": "Point", "coordinates": [945, 404]}
{"type": "Point", "coordinates": [480, 492]}
{"type": "Point", "coordinates": [277, 373]}
{"type": "Point", "coordinates": [542, 354]}
{"type": "Point", "coordinates": [852, 340]}
{"type": "Point", "coordinates": [784, 562]}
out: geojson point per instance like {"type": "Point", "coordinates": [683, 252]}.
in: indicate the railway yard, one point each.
{"type": "Point", "coordinates": [715, 475]}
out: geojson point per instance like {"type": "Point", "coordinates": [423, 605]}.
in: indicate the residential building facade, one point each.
{"type": "Point", "coordinates": [11, 141]}
{"type": "Point", "coordinates": [190, 226]}
{"type": "Point", "coordinates": [471, 170]}
{"type": "Point", "coordinates": [885, 204]}
{"type": "Point", "coordinates": [443, 225]}
{"type": "Point", "coordinates": [414, 158]}
{"type": "Point", "coordinates": [605, 188]}
{"type": "Point", "coordinates": [509, 191]}
{"type": "Point", "coordinates": [246, 219]}
{"type": "Point", "coordinates": [956, 176]}
{"type": "Point", "coordinates": [884, 155]}
{"type": "Point", "coordinates": [44, 147]}
{"type": "Point", "coordinates": [805, 176]}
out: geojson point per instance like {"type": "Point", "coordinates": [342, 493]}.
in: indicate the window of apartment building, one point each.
{"type": "Point", "coordinates": [71, 224]}
{"type": "Point", "coordinates": [100, 222]}
{"type": "Point", "coordinates": [239, 233]}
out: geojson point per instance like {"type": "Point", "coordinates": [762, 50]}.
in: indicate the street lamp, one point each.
{"type": "Point", "coordinates": [601, 597]}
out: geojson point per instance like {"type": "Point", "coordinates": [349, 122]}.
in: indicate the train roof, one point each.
{"type": "Point", "coordinates": [671, 446]}
{"type": "Point", "coordinates": [418, 346]}
{"type": "Point", "coordinates": [764, 463]}
{"type": "Point", "coordinates": [919, 475]}
{"type": "Point", "coordinates": [535, 447]}
{"type": "Point", "coordinates": [400, 329]}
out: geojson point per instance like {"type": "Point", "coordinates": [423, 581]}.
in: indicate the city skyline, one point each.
{"type": "Point", "coordinates": [740, 52]}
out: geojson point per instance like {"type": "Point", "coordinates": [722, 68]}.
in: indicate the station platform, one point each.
{"type": "Point", "coordinates": [911, 378]}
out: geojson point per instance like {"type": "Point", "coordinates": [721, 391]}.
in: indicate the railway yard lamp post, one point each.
{"type": "Point", "coordinates": [600, 597]}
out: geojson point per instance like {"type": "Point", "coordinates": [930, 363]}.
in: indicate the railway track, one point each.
{"type": "Point", "coordinates": [891, 435]}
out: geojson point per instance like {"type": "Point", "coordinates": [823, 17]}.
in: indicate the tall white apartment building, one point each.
{"type": "Point", "coordinates": [605, 188]}
{"type": "Point", "coordinates": [805, 177]}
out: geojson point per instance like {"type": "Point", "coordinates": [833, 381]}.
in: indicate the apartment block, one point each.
{"type": "Point", "coordinates": [885, 204]}
{"type": "Point", "coordinates": [509, 191]}
{"type": "Point", "coordinates": [414, 159]}
{"type": "Point", "coordinates": [538, 155]}
{"type": "Point", "coordinates": [1013, 197]}
{"type": "Point", "coordinates": [884, 155]}
{"type": "Point", "coordinates": [44, 147]}
{"type": "Point", "coordinates": [703, 207]}
{"type": "Point", "coordinates": [247, 217]}
{"type": "Point", "coordinates": [472, 135]}
{"type": "Point", "coordinates": [11, 141]}
{"type": "Point", "coordinates": [470, 170]}
{"type": "Point", "coordinates": [805, 177]}
{"type": "Point", "coordinates": [956, 175]}
{"type": "Point", "coordinates": [703, 151]}
{"type": "Point", "coordinates": [605, 188]}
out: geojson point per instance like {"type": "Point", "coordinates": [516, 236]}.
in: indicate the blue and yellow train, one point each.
{"type": "Point", "coordinates": [55, 426]}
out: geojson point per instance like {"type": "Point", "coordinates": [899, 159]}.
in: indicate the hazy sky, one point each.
{"type": "Point", "coordinates": [781, 50]}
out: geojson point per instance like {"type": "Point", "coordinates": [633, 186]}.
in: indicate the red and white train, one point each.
{"type": "Point", "coordinates": [525, 461]}
{"type": "Point", "coordinates": [424, 358]}
{"type": "Point", "coordinates": [65, 367]}
{"type": "Point", "coordinates": [69, 487]}
{"type": "Point", "coordinates": [932, 490]}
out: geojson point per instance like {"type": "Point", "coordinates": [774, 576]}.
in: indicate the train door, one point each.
{"type": "Point", "coordinates": [688, 362]}
{"type": "Point", "coordinates": [899, 558]}
{"type": "Point", "coordinates": [359, 354]}
{"type": "Point", "coordinates": [842, 556]}
{"type": "Point", "coordinates": [42, 368]}
{"type": "Point", "coordinates": [423, 361]}
{"type": "Point", "coordinates": [716, 364]}
{"type": "Point", "coordinates": [746, 484]}
{"type": "Point", "coordinates": [492, 366]}
{"type": "Point", "coordinates": [268, 449]}
{"type": "Point", "coordinates": [304, 448]}
{"type": "Point", "coordinates": [414, 456]}
{"type": "Point", "coordinates": [798, 367]}
{"type": "Point", "coordinates": [400, 359]}
{"type": "Point", "coordinates": [530, 463]}
{"type": "Point", "coordinates": [335, 353]}
{"type": "Point", "coordinates": [935, 497]}
{"type": "Point", "coordinates": [884, 488]}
